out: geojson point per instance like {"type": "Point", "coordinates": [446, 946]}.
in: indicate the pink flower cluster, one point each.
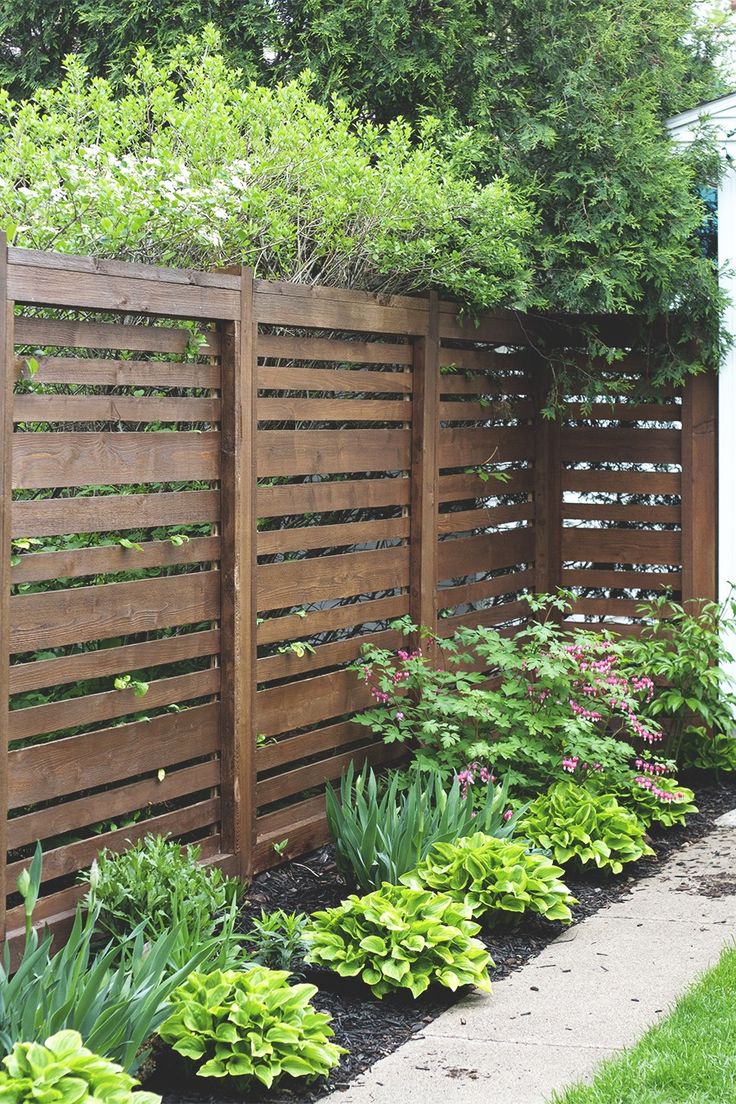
{"type": "Point", "coordinates": [471, 773]}
{"type": "Point", "coordinates": [601, 679]}
{"type": "Point", "coordinates": [657, 791]}
{"type": "Point", "coordinates": [570, 764]}
{"type": "Point", "coordinates": [650, 768]}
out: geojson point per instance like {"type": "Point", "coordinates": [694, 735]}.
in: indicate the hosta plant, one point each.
{"type": "Point", "coordinates": [400, 938]}
{"type": "Point", "coordinates": [660, 800]}
{"type": "Point", "coordinates": [383, 829]}
{"type": "Point", "coordinates": [251, 1025]}
{"type": "Point", "coordinates": [491, 875]}
{"type": "Point", "coordinates": [576, 824]}
{"type": "Point", "coordinates": [63, 1071]}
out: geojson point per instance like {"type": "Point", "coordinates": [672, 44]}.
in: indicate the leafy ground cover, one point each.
{"type": "Point", "coordinates": [370, 1028]}
{"type": "Point", "coordinates": [689, 1058]}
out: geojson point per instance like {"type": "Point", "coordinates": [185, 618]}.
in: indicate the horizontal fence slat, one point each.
{"type": "Point", "coordinates": [289, 663]}
{"type": "Point", "coordinates": [458, 521]}
{"type": "Point", "coordinates": [105, 706]}
{"type": "Point", "coordinates": [56, 618]}
{"type": "Point", "coordinates": [323, 577]}
{"type": "Point", "coordinates": [120, 373]}
{"type": "Point", "coordinates": [647, 446]}
{"type": "Point", "coordinates": [75, 334]}
{"type": "Point", "coordinates": [66, 766]}
{"type": "Point", "coordinates": [113, 408]}
{"type": "Point", "coordinates": [624, 412]}
{"type": "Point", "coordinates": [292, 627]}
{"type": "Point", "coordinates": [66, 287]}
{"type": "Point", "coordinates": [308, 701]}
{"type": "Point", "coordinates": [312, 452]}
{"type": "Point", "coordinates": [317, 497]}
{"type": "Point", "coordinates": [305, 777]}
{"type": "Point", "coordinates": [334, 381]}
{"type": "Point", "coordinates": [464, 447]}
{"type": "Point", "coordinates": [328, 309]}
{"type": "Point", "coordinates": [466, 555]}
{"type": "Point", "coordinates": [111, 661]}
{"type": "Point", "coordinates": [114, 802]}
{"type": "Point", "coordinates": [52, 517]}
{"type": "Point", "coordinates": [631, 513]}
{"type": "Point", "coordinates": [621, 580]}
{"type": "Point", "coordinates": [292, 749]}
{"type": "Point", "coordinates": [76, 856]}
{"type": "Point", "coordinates": [92, 459]}
{"type": "Point", "coordinates": [107, 559]}
{"type": "Point", "coordinates": [328, 536]}
{"type": "Point", "coordinates": [333, 349]}
{"type": "Point", "coordinates": [467, 485]}
{"type": "Point", "coordinates": [632, 546]}
{"type": "Point", "coordinates": [510, 583]}
{"type": "Point", "coordinates": [586, 480]}
{"type": "Point", "coordinates": [333, 410]}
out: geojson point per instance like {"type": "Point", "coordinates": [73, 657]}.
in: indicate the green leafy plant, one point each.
{"type": "Point", "coordinates": [115, 999]}
{"type": "Point", "coordinates": [659, 800]}
{"type": "Point", "coordinates": [686, 650]}
{"type": "Point", "coordinates": [250, 1025]}
{"type": "Point", "coordinates": [383, 829]}
{"type": "Point", "coordinates": [63, 1071]}
{"type": "Point", "coordinates": [400, 938]}
{"type": "Point", "coordinates": [161, 885]}
{"type": "Point", "coordinates": [551, 710]}
{"type": "Point", "coordinates": [276, 939]}
{"type": "Point", "coordinates": [492, 875]}
{"type": "Point", "coordinates": [573, 823]}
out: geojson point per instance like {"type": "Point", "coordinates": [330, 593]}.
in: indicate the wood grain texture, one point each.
{"type": "Point", "coordinates": [6, 483]}
{"type": "Point", "coordinates": [299, 582]}
{"type": "Point", "coordinates": [37, 567]}
{"type": "Point", "coordinates": [120, 373]}
{"type": "Point", "coordinates": [96, 459]}
{"type": "Point", "coordinates": [75, 334]}
{"type": "Point", "coordinates": [699, 489]}
{"type": "Point", "coordinates": [425, 434]}
{"type": "Point", "coordinates": [319, 451]}
{"type": "Point", "coordinates": [51, 517]}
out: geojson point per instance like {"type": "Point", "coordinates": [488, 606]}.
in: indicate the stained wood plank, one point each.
{"type": "Point", "coordinates": [468, 485]}
{"type": "Point", "coordinates": [334, 381]}
{"type": "Point", "coordinates": [105, 706]}
{"type": "Point", "coordinates": [271, 347]}
{"type": "Point", "coordinates": [66, 766]}
{"type": "Point", "coordinates": [331, 410]}
{"type": "Point", "coordinates": [299, 582]}
{"type": "Point", "coordinates": [313, 452]}
{"type": "Point", "coordinates": [113, 408]}
{"type": "Point", "coordinates": [618, 580]}
{"type": "Point", "coordinates": [466, 555]}
{"type": "Point", "coordinates": [333, 309]}
{"type": "Point", "coordinates": [621, 482]}
{"type": "Point", "coordinates": [120, 373]}
{"type": "Point", "coordinates": [289, 663]}
{"type": "Point", "coordinates": [111, 661]}
{"type": "Point", "coordinates": [62, 617]}
{"type": "Point", "coordinates": [621, 546]}
{"type": "Point", "coordinates": [135, 270]}
{"type": "Point", "coordinates": [460, 521]}
{"type": "Point", "coordinates": [625, 412]}
{"type": "Point", "coordinates": [461, 447]}
{"type": "Point", "coordinates": [291, 627]}
{"type": "Point", "coordinates": [612, 511]}
{"type": "Point", "coordinates": [73, 334]}
{"type": "Point", "coordinates": [653, 446]}
{"type": "Point", "coordinates": [96, 459]}
{"type": "Point", "coordinates": [292, 749]}
{"type": "Point", "coordinates": [38, 567]}
{"type": "Point", "coordinates": [305, 777]}
{"type": "Point", "coordinates": [52, 517]}
{"type": "Point", "coordinates": [322, 496]}
{"type": "Point", "coordinates": [42, 285]}
{"type": "Point", "coordinates": [309, 701]}
{"type": "Point", "coordinates": [6, 482]}
{"type": "Point", "coordinates": [76, 856]}
{"type": "Point", "coordinates": [425, 453]}
{"type": "Point", "coordinates": [510, 583]}
{"type": "Point", "coordinates": [699, 489]}
{"type": "Point", "coordinates": [331, 536]}
{"type": "Point", "coordinates": [78, 813]}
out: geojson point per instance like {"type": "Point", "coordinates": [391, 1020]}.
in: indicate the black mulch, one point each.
{"type": "Point", "coordinates": [370, 1028]}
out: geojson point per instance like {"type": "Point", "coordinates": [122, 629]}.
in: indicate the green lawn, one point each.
{"type": "Point", "coordinates": [689, 1058]}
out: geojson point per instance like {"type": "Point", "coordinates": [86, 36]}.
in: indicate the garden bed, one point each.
{"type": "Point", "coordinates": [370, 1028]}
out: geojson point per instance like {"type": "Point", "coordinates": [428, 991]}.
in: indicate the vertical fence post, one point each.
{"type": "Point", "coordinates": [238, 584]}
{"type": "Point", "coordinates": [699, 488]}
{"type": "Point", "coordinates": [6, 447]}
{"type": "Point", "coordinates": [425, 429]}
{"type": "Point", "coordinates": [547, 486]}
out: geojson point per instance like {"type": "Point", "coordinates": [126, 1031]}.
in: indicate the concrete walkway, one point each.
{"type": "Point", "coordinates": [596, 989]}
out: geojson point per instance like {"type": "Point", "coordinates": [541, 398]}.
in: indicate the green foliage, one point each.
{"type": "Point", "coordinates": [492, 875]}
{"type": "Point", "coordinates": [575, 824]}
{"type": "Point", "coordinates": [189, 168]}
{"type": "Point", "coordinates": [115, 999]}
{"type": "Point", "coordinates": [106, 34]}
{"type": "Point", "coordinates": [276, 939]}
{"type": "Point", "coordinates": [382, 830]}
{"type": "Point", "coordinates": [161, 886]}
{"type": "Point", "coordinates": [685, 649]}
{"type": "Point", "coordinates": [650, 808]}
{"type": "Point", "coordinates": [400, 938]}
{"type": "Point", "coordinates": [569, 102]}
{"type": "Point", "coordinates": [63, 1071]}
{"type": "Point", "coordinates": [251, 1026]}
{"type": "Point", "coordinates": [550, 712]}
{"type": "Point", "coordinates": [709, 752]}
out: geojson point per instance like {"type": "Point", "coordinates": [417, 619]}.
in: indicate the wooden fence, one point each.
{"type": "Point", "coordinates": [219, 488]}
